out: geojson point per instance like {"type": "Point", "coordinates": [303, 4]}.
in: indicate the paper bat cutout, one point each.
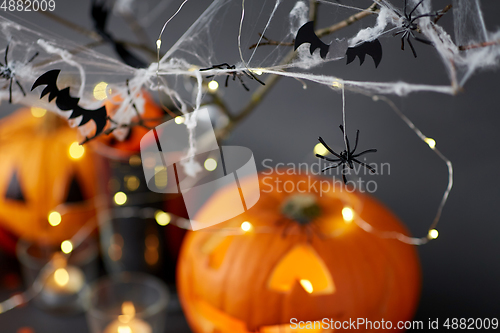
{"type": "Point", "coordinates": [306, 34]}
{"type": "Point", "coordinates": [373, 49]}
{"type": "Point", "coordinates": [65, 102]}
{"type": "Point", "coordinates": [100, 17]}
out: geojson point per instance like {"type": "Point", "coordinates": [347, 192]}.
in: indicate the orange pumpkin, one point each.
{"type": "Point", "coordinates": [38, 175]}
{"type": "Point", "coordinates": [302, 258]}
{"type": "Point", "coordinates": [132, 141]}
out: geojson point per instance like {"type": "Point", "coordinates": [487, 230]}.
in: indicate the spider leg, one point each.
{"type": "Point", "coordinates": [227, 79]}
{"type": "Point", "coordinates": [10, 91]}
{"type": "Point", "coordinates": [250, 75]}
{"type": "Point", "coordinates": [286, 229]}
{"type": "Point", "coordinates": [308, 233]}
{"type": "Point", "coordinates": [365, 152]}
{"type": "Point", "coordinates": [242, 83]}
{"type": "Point", "coordinates": [404, 8]}
{"type": "Point", "coordinates": [399, 32]}
{"type": "Point", "coordinates": [7, 52]}
{"type": "Point", "coordinates": [423, 40]}
{"type": "Point", "coordinates": [356, 144]}
{"type": "Point", "coordinates": [364, 164]}
{"type": "Point", "coordinates": [414, 8]}
{"type": "Point", "coordinates": [411, 46]}
{"type": "Point", "coordinates": [33, 57]}
{"type": "Point", "coordinates": [327, 147]}
{"type": "Point", "coordinates": [403, 42]}
{"type": "Point", "coordinates": [331, 167]}
{"type": "Point", "coordinates": [20, 86]}
{"type": "Point", "coordinates": [328, 159]}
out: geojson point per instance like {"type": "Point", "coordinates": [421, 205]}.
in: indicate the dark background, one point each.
{"type": "Point", "coordinates": [461, 269]}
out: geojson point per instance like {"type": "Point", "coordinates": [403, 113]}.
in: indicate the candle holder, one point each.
{"type": "Point", "coordinates": [128, 303]}
{"type": "Point", "coordinates": [58, 282]}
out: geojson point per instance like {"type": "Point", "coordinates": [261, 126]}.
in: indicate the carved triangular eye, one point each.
{"type": "Point", "coordinates": [14, 191]}
{"type": "Point", "coordinates": [75, 193]}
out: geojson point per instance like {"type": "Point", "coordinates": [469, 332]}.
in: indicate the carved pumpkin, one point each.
{"type": "Point", "coordinates": [39, 174]}
{"type": "Point", "coordinates": [300, 259]}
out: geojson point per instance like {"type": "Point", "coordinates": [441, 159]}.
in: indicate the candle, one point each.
{"type": "Point", "coordinates": [127, 322]}
{"type": "Point", "coordinates": [65, 279]}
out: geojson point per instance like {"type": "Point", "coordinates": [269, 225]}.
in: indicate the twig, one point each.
{"type": "Point", "coordinates": [348, 21]}
{"type": "Point", "coordinates": [442, 12]}
{"type": "Point", "coordinates": [272, 79]}
{"type": "Point", "coordinates": [477, 46]}
{"type": "Point", "coordinates": [270, 42]}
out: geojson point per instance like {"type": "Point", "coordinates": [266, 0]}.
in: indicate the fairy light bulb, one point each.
{"type": "Point", "coordinates": [246, 226]}
{"type": "Point", "coordinates": [348, 214]}
{"type": "Point", "coordinates": [158, 44]}
{"type": "Point", "coordinates": [433, 234]}
{"type": "Point", "coordinates": [38, 112]}
{"type": "Point", "coordinates": [162, 218]}
{"type": "Point", "coordinates": [66, 246]}
{"type": "Point", "coordinates": [210, 164]}
{"type": "Point", "coordinates": [120, 198]}
{"type": "Point", "coordinates": [179, 120]}
{"type": "Point", "coordinates": [100, 91]}
{"type": "Point", "coordinates": [61, 277]}
{"type": "Point", "coordinates": [430, 142]}
{"type": "Point", "coordinates": [213, 86]}
{"type": "Point", "coordinates": [54, 218]}
{"type": "Point", "coordinates": [320, 149]}
{"type": "Point", "coordinates": [76, 150]}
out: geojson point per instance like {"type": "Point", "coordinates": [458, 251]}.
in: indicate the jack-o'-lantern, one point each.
{"type": "Point", "coordinates": [48, 183]}
{"type": "Point", "coordinates": [302, 262]}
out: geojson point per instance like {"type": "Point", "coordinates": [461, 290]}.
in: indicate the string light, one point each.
{"type": "Point", "coordinates": [213, 85]}
{"type": "Point", "coordinates": [348, 214]}
{"type": "Point", "coordinates": [162, 218]}
{"type": "Point", "coordinates": [246, 226]}
{"type": "Point", "coordinates": [433, 234]}
{"type": "Point", "coordinates": [54, 218]}
{"type": "Point", "coordinates": [320, 149]}
{"type": "Point", "coordinates": [132, 182]}
{"type": "Point", "coordinates": [100, 91]}
{"type": "Point", "coordinates": [161, 179]}
{"type": "Point", "coordinates": [430, 142]}
{"type": "Point", "coordinates": [66, 246]}
{"type": "Point", "coordinates": [76, 150]}
{"type": "Point", "coordinates": [38, 112]}
{"type": "Point", "coordinates": [257, 71]}
{"type": "Point", "coordinates": [210, 164]}
{"type": "Point", "coordinates": [120, 198]}
{"type": "Point", "coordinates": [179, 120]}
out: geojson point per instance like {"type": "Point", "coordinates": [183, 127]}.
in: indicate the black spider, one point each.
{"type": "Point", "coordinates": [346, 157]}
{"type": "Point", "coordinates": [235, 74]}
{"type": "Point", "coordinates": [8, 73]}
{"type": "Point", "coordinates": [410, 25]}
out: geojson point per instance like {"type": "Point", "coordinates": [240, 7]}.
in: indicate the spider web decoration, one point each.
{"type": "Point", "coordinates": [238, 33]}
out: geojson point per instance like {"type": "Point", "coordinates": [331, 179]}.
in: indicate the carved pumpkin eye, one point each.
{"type": "Point", "coordinates": [14, 191]}
{"type": "Point", "coordinates": [75, 193]}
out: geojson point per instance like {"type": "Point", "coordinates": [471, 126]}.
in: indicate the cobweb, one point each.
{"type": "Point", "coordinates": [256, 37]}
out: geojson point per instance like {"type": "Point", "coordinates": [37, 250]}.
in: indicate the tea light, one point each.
{"type": "Point", "coordinates": [127, 323]}
{"type": "Point", "coordinates": [65, 282]}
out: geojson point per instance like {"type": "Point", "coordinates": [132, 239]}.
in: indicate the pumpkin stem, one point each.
{"type": "Point", "coordinates": [303, 208]}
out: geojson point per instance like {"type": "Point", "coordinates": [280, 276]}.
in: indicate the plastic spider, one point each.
{"type": "Point", "coordinates": [8, 73]}
{"type": "Point", "coordinates": [346, 157]}
{"type": "Point", "coordinates": [235, 74]}
{"type": "Point", "coordinates": [410, 25]}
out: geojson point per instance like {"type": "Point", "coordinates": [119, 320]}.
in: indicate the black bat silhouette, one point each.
{"type": "Point", "coordinates": [99, 13]}
{"type": "Point", "coordinates": [373, 49]}
{"type": "Point", "coordinates": [65, 102]}
{"type": "Point", "coordinates": [306, 34]}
